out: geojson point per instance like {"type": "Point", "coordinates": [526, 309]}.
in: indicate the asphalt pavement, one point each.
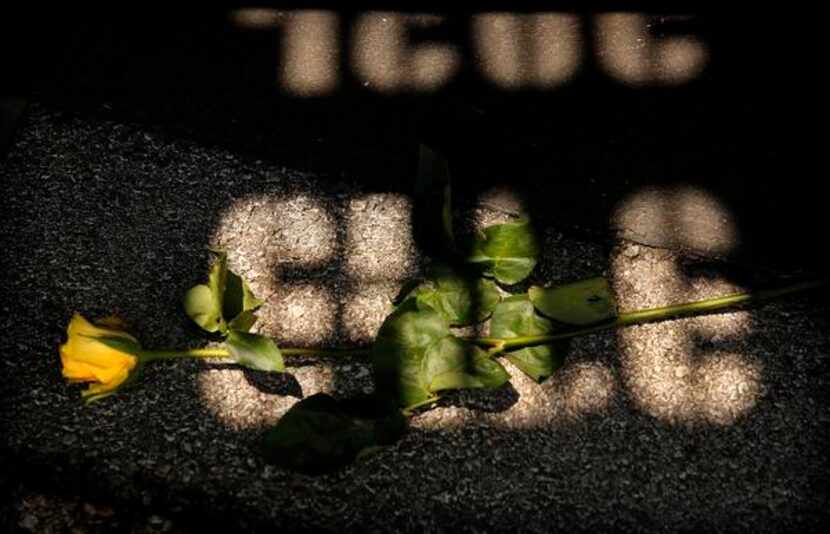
{"type": "Point", "coordinates": [151, 134]}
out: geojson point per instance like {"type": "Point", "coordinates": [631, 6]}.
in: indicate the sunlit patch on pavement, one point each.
{"type": "Point", "coordinates": [668, 367]}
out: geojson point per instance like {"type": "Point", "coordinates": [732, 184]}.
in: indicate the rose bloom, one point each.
{"type": "Point", "coordinates": [85, 358]}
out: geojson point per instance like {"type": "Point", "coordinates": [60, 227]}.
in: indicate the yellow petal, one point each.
{"type": "Point", "coordinates": [82, 346]}
{"type": "Point", "coordinates": [75, 370]}
{"type": "Point", "coordinates": [111, 321]}
{"type": "Point", "coordinates": [97, 354]}
{"type": "Point", "coordinates": [86, 359]}
{"type": "Point", "coordinates": [117, 380]}
{"type": "Point", "coordinates": [79, 326]}
{"type": "Point", "coordinates": [106, 375]}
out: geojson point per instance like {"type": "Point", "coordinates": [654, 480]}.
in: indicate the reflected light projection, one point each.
{"type": "Point", "coordinates": [296, 313]}
{"type": "Point", "coordinates": [310, 51]}
{"type": "Point", "coordinates": [367, 306]}
{"type": "Point", "coordinates": [666, 372]}
{"type": "Point", "coordinates": [682, 216]}
{"type": "Point", "coordinates": [269, 227]}
{"type": "Point", "coordinates": [257, 18]}
{"type": "Point", "coordinates": [310, 46]}
{"type": "Point", "coordinates": [511, 51]}
{"type": "Point", "coordinates": [384, 58]}
{"type": "Point", "coordinates": [300, 314]}
{"type": "Point", "coordinates": [379, 256]}
{"type": "Point", "coordinates": [576, 391]}
{"type": "Point", "coordinates": [337, 281]}
{"type": "Point", "coordinates": [541, 50]}
{"type": "Point", "coordinates": [238, 404]}
{"type": "Point", "coordinates": [629, 51]}
{"type": "Point", "coordinates": [282, 238]}
{"type": "Point", "coordinates": [585, 388]}
{"type": "Point", "coordinates": [497, 205]}
{"type": "Point", "coordinates": [378, 237]}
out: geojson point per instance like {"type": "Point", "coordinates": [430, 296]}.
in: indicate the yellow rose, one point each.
{"type": "Point", "coordinates": [98, 353]}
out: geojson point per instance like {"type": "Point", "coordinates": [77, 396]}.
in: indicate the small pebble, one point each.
{"type": "Point", "coordinates": [29, 522]}
{"type": "Point", "coordinates": [631, 251]}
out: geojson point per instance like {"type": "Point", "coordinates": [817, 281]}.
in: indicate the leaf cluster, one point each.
{"type": "Point", "coordinates": [417, 354]}
{"type": "Point", "coordinates": [225, 306]}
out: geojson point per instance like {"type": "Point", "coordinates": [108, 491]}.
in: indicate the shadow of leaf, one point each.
{"type": "Point", "coordinates": [284, 384]}
{"type": "Point", "coordinates": [486, 400]}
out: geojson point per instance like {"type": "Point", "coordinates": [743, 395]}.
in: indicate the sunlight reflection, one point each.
{"type": "Point", "coordinates": [269, 239]}
{"type": "Point", "coordinates": [240, 405]}
{"type": "Point", "coordinates": [300, 315]}
{"type": "Point", "coordinates": [265, 236]}
{"type": "Point", "coordinates": [349, 287]}
{"type": "Point", "coordinates": [667, 372]}
{"type": "Point", "coordinates": [727, 386]}
{"type": "Point", "coordinates": [310, 54]}
{"type": "Point", "coordinates": [257, 18]}
{"type": "Point", "coordinates": [379, 245]}
{"type": "Point", "coordinates": [573, 393]}
{"type": "Point", "coordinates": [388, 52]}
{"type": "Point", "coordinates": [497, 205]}
{"type": "Point", "coordinates": [264, 232]}
{"type": "Point", "coordinates": [541, 50]}
{"type": "Point", "coordinates": [585, 388]}
{"type": "Point", "coordinates": [629, 50]}
{"type": "Point", "coordinates": [384, 59]}
{"type": "Point", "coordinates": [366, 307]}
{"type": "Point", "coordinates": [683, 216]}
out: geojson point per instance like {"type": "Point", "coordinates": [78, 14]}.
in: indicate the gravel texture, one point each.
{"type": "Point", "coordinates": [714, 423]}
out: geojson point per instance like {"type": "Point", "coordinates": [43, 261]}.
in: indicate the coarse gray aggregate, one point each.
{"type": "Point", "coordinates": [716, 423]}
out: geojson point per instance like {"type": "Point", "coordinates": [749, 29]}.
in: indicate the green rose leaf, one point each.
{"type": "Point", "coordinates": [320, 434]}
{"type": "Point", "coordinates": [224, 302]}
{"type": "Point", "coordinates": [450, 363]}
{"type": "Point", "coordinates": [415, 356]}
{"type": "Point", "coordinates": [507, 252]}
{"type": "Point", "coordinates": [238, 299]}
{"type": "Point", "coordinates": [433, 213]}
{"type": "Point", "coordinates": [405, 291]}
{"type": "Point", "coordinates": [243, 322]}
{"type": "Point", "coordinates": [201, 306]}
{"type": "Point", "coordinates": [580, 303]}
{"type": "Point", "coordinates": [203, 303]}
{"type": "Point", "coordinates": [216, 282]}
{"type": "Point", "coordinates": [516, 317]}
{"type": "Point", "coordinates": [254, 351]}
{"type": "Point", "coordinates": [121, 344]}
{"type": "Point", "coordinates": [461, 300]}
{"type": "Point", "coordinates": [399, 350]}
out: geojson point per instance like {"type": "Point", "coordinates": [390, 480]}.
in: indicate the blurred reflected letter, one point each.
{"type": "Point", "coordinates": [630, 52]}
{"type": "Point", "coordinates": [384, 59]}
{"type": "Point", "coordinates": [541, 50]}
